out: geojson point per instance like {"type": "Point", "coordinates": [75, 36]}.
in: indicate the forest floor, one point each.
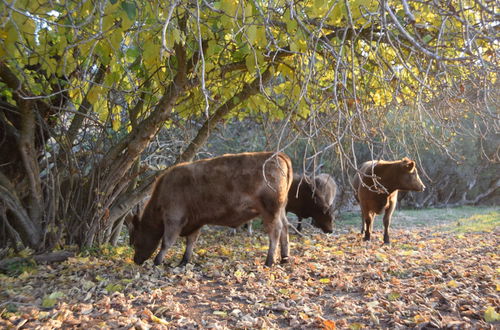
{"type": "Point", "coordinates": [440, 271]}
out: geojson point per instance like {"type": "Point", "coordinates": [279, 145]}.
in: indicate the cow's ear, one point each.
{"type": "Point", "coordinates": [132, 221]}
{"type": "Point", "coordinates": [409, 165]}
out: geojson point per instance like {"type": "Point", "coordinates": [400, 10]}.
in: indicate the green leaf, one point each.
{"type": "Point", "coordinates": [130, 8]}
{"type": "Point", "coordinates": [132, 53]}
{"type": "Point", "coordinates": [114, 288]}
{"type": "Point", "coordinates": [48, 302]}
{"type": "Point", "coordinates": [250, 63]}
{"type": "Point", "coordinates": [393, 296]}
{"type": "Point", "coordinates": [113, 1]}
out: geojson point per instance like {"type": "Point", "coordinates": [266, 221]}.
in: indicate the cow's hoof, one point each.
{"type": "Point", "coordinates": [285, 260]}
{"type": "Point", "coordinates": [157, 261]}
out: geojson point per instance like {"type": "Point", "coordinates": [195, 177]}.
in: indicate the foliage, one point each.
{"type": "Point", "coordinates": [87, 85]}
{"type": "Point", "coordinates": [427, 278]}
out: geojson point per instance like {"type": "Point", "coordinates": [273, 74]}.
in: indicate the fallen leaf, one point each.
{"type": "Point", "coordinates": [220, 313]}
{"type": "Point", "coordinates": [328, 325]}
{"type": "Point", "coordinates": [491, 315]}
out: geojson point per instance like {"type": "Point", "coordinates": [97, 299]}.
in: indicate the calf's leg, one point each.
{"type": "Point", "coordinates": [284, 238]}
{"type": "Point", "coordinates": [368, 224]}
{"type": "Point", "coordinates": [190, 241]}
{"type": "Point", "coordinates": [274, 227]}
{"type": "Point", "coordinates": [363, 225]}
{"type": "Point", "coordinates": [388, 217]}
{"type": "Point", "coordinates": [299, 224]}
{"type": "Point", "coordinates": [170, 234]}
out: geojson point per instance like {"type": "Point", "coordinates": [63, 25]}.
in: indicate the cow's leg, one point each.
{"type": "Point", "coordinates": [368, 224]}
{"type": "Point", "coordinates": [249, 227]}
{"type": "Point", "coordinates": [274, 227]}
{"type": "Point", "coordinates": [363, 225]}
{"type": "Point", "coordinates": [299, 224]}
{"type": "Point", "coordinates": [388, 217]}
{"type": "Point", "coordinates": [170, 234]}
{"type": "Point", "coordinates": [190, 241]}
{"type": "Point", "coordinates": [284, 238]}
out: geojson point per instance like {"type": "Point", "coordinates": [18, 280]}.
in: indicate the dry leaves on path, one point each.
{"type": "Point", "coordinates": [425, 279]}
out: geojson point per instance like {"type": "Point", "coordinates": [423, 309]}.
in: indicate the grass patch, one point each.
{"type": "Point", "coordinates": [486, 222]}
{"type": "Point", "coordinates": [462, 219]}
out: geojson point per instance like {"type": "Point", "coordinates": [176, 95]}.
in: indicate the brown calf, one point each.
{"type": "Point", "coordinates": [375, 197]}
{"type": "Point", "coordinates": [228, 190]}
{"type": "Point", "coordinates": [313, 198]}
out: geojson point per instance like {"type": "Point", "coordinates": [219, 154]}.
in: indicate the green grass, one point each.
{"type": "Point", "coordinates": [460, 219]}
{"type": "Point", "coordinates": [478, 222]}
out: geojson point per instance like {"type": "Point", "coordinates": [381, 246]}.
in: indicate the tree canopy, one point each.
{"type": "Point", "coordinates": [86, 85]}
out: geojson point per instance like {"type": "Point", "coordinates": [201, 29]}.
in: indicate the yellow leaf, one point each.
{"type": "Point", "coordinates": [93, 94]}
{"type": "Point", "coordinates": [229, 7]}
{"type": "Point", "coordinates": [225, 251]}
{"type": "Point", "coordinates": [158, 320]}
{"type": "Point", "coordinates": [453, 284]}
{"type": "Point", "coordinates": [491, 315]}
{"type": "Point", "coordinates": [356, 326]}
{"type": "Point", "coordinates": [251, 33]}
{"type": "Point", "coordinates": [324, 280]}
{"type": "Point", "coordinates": [283, 291]}
{"type": "Point", "coordinates": [380, 257]}
{"type": "Point", "coordinates": [220, 313]}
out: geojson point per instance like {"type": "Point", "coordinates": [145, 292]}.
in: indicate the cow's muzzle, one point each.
{"type": "Point", "coordinates": [138, 260]}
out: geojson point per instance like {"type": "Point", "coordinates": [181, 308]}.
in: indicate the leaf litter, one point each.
{"type": "Point", "coordinates": [425, 279]}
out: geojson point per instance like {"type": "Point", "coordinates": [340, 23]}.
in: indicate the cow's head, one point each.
{"type": "Point", "coordinates": [323, 215]}
{"type": "Point", "coordinates": [409, 178]}
{"type": "Point", "coordinates": [142, 239]}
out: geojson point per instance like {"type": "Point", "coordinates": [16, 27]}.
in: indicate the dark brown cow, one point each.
{"type": "Point", "coordinates": [373, 198]}
{"type": "Point", "coordinates": [309, 198]}
{"type": "Point", "coordinates": [228, 190]}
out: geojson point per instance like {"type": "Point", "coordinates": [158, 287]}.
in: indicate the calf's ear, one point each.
{"type": "Point", "coordinates": [409, 164]}
{"type": "Point", "coordinates": [132, 221]}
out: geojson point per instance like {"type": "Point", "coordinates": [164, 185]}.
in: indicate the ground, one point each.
{"type": "Point", "coordinates": [440, 273]}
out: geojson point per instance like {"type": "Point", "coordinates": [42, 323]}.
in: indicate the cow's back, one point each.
{"type": "Point", "coordinates": [365, 169]}
{"type": "Point", "coordinates": [227, 190]}
{"type": "Point", "coordinates": [327, 188]}
{"type": "Point", "coordinates": [298, 195]}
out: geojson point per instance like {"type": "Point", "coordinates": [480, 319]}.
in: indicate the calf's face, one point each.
{"type": "Point", "coordinates": [323, 218]}
{"type": "Point", "coordinates": [409, 178]}
{"type": "Point", "coordinates": [144, 243]}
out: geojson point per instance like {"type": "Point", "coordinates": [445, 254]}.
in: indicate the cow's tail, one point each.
{"type": "Point", "coordinates": [289, 169]}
